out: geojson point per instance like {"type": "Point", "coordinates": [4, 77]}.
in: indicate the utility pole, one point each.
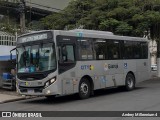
{"type": "Point", "coordinates": [22, 15]}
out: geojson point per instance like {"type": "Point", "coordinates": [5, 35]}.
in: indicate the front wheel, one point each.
{"type": "Point", "coordinates": [84, 89]}
{"type": "Point", "coordinates": [130, 82]}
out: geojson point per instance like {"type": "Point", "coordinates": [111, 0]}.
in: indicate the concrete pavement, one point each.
{"type": "Point", "coordinates": [10, 98]}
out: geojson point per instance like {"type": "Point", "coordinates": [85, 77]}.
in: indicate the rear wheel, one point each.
{"type": "Point", "coordinates": [130, 82]}
{"type": "Point", "coordinates": [84, 89]}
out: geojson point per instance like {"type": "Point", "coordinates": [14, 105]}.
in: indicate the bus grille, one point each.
{"type": "Point", "coordinates": [36, 89]}
{"type": "Point", "coordinates": [30, 77]}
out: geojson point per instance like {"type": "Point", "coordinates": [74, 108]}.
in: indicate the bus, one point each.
{"type": "Point", "coordinates": [57, 62]}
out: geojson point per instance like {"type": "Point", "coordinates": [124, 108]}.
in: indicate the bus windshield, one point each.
{"type": "Point", "coordinates": [36, 58]}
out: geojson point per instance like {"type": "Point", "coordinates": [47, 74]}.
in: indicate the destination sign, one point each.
{"type": "Point", "coordinates": [34, 37]}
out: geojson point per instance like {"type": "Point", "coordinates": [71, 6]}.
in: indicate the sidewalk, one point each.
{"type": "Point", "coordinates": [10, 96]}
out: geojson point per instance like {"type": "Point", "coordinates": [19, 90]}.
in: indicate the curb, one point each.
{"type": "Point", "coordinates": [16, 99]}
{"type": "Point", "coordinates": [12, 100]}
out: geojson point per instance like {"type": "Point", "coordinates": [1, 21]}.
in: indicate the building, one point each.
{"type": "Point", "coordinates": [7, 43]}
{"type": "Point", "coordinates": [48, 5]}
{"type": "Point", "coordinates": [35, 8]}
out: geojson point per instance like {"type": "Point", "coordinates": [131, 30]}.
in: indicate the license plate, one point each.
{"type": "Point", "coordinates": [30, 91]}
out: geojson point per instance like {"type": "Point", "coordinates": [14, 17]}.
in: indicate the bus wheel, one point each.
{"type": "Point", "coordinates": [84, 89]}
{"type": "Point", "coordinates": [130, 82]}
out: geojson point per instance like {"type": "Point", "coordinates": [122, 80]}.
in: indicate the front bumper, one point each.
{"type": "Point", "coordinates": [38, 90]}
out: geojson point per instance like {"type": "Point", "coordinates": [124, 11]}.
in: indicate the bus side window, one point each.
{"type": "Point", "coordinates": [100, 46]}
{"type": "Point", "coordinates": [144, 49]}
{"type": "Point", "coordinates": [113, 49]}
{"type": "Point", "coordinates": [66, 57]}
{"type": "Point", "coordinates": [67, 53]}
{"type": "Point", "coordinates": [86, 49]}
{"type": "Point", "coordinates": [128, 47]}
{"type": "Point", "coordinates": [136, 50]}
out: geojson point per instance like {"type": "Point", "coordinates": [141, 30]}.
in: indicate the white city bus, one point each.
{"type": "Point", "coordinates": [57, 62]}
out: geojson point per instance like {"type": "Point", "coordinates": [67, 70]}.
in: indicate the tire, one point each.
{"type": "Point", "coordinates": [84, 89]}
{"type": "Point", "coordinates": [130, 82]}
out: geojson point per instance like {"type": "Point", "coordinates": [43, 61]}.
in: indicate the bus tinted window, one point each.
{"type": "Point", "coordinates": [100, 46]}
{"type": "Point", "coordinates": [86, 49]}
{"type": "Point", "coordinates": [70, 53]}
{"type": "Point", "coordinates": [136, 50]}
{"type": "Point", "coordinates": [144, 48]}
{"type": "Point", "coordinates": [128, 50]}
{"type": "Point", "coordinates": [113, 50]}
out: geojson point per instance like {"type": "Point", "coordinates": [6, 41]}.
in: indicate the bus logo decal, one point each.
{"type": "Point", "coordinates": [112, 66]}
{"type": "Point", "coordinates": [105, 67]}
{"type": "Point", "coordinates": [91, 67]}
{"type": "Point", "coordinates": [79, 34]}
{"type": "Point", "coordinates": [87, 67]}
{"type": "Point", "coordinates": [26, 83]}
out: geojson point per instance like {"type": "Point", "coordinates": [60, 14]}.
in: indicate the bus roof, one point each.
{"type": "Point", "coordinates": [91, 34]}
{"type": "Point", "coordinates": [99, 34]}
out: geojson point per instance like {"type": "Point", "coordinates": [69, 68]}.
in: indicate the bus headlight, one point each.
{"type": "Point", "coordinates": [49, 82]}
{"type": "Point", "coordinates": [53, 80]}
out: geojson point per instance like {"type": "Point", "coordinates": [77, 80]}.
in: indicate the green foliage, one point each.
{"type": "Point", "coordinates": [109, 25]}
{"type": "Point", "coordinates": [123, 17]}
{"type": "Point", "coordinates": [124, 29]}
{"type": "Point", "coordinates": [8, 25]}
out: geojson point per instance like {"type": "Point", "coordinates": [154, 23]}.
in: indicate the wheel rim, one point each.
{"type": "Point", "coordinates": [130, 82]}
{"type": "Point", "coordinates": [84, 88]}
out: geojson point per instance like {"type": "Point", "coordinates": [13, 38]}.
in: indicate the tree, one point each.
{"type": "Point", "coordinates": [8, 25]}
{"type": "Point", "coordinates": [123, 17]}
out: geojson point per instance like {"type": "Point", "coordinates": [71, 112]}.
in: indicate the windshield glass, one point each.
{"type": "Point", "coordinates": [36, 58]}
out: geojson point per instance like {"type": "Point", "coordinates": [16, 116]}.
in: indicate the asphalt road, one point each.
{"type": "Point", "coordinates": [146, 97]}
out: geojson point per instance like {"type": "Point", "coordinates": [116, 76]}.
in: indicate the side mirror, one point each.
{"type": "Point", "coordinates": [10, 56]}
{"type": "Point", "coordinates": [11, 53]}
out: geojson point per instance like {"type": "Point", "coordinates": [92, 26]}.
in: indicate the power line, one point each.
{"type": "Point", "coordinates": [44, 6]}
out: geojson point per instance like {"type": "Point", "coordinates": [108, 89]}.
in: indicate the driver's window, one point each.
{"type": "Point", "coordinates": [67, 53]}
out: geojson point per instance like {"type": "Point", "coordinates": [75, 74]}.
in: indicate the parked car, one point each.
{"type": "Point", "coordinates": [154, 67]}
